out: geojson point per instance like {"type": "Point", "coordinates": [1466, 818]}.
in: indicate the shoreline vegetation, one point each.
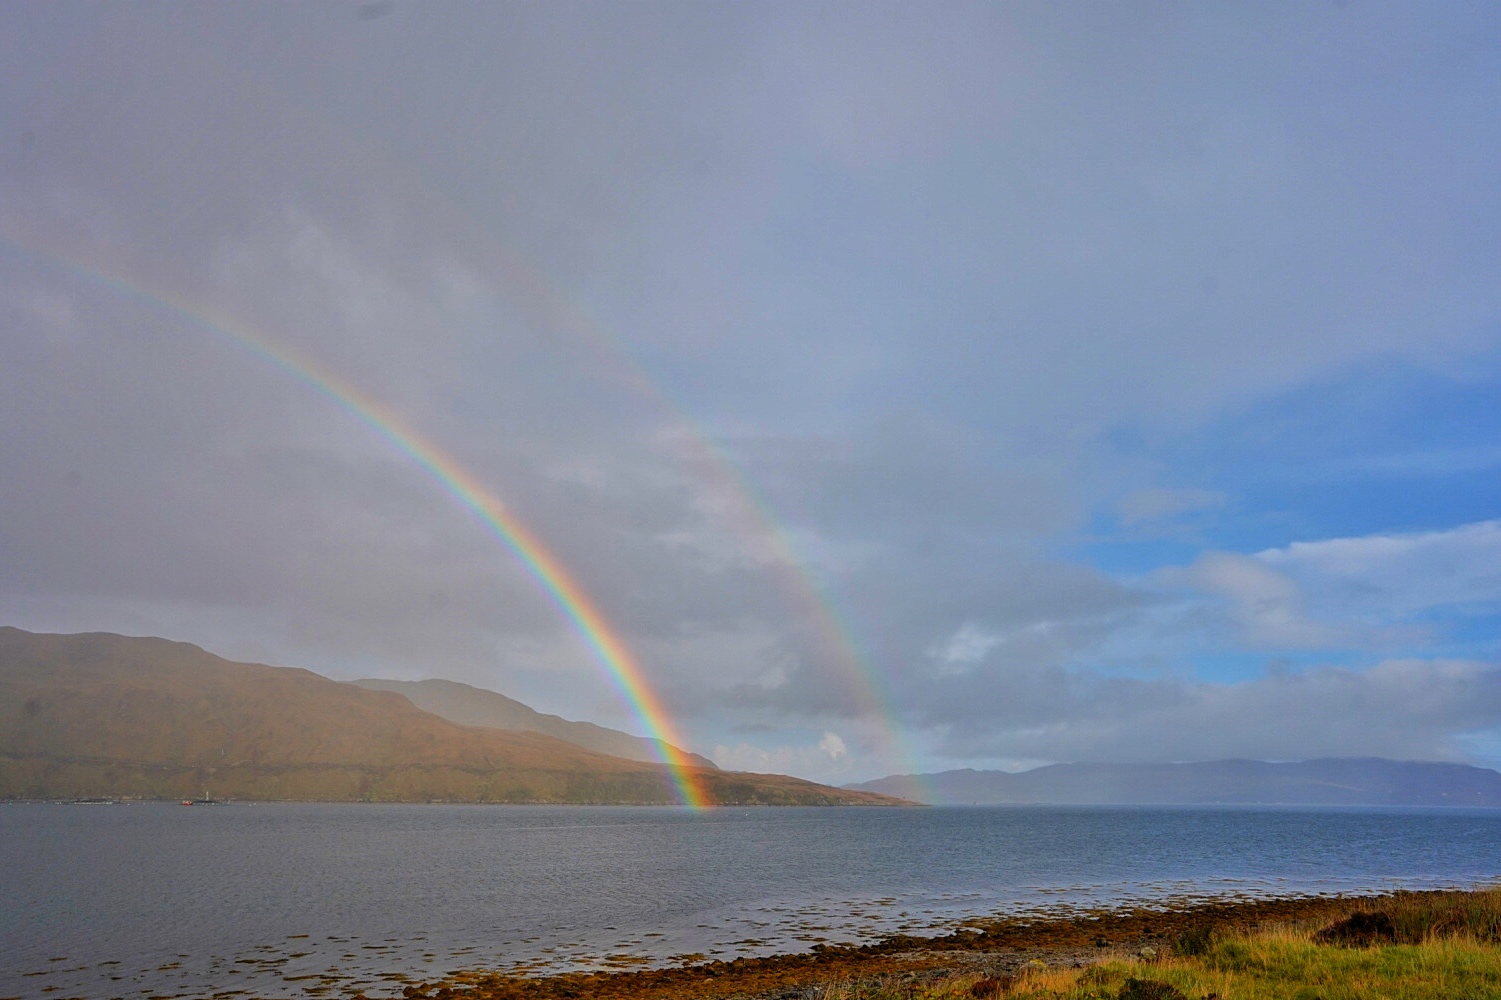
{"type": "Point", "coordinates": [1408, 944]}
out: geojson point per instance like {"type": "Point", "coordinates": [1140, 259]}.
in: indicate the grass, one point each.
{"type": "Point", "coordinates": [1435, 946]}
{"type": "Point", "coordinates": [1420, 917]}
{"type": "Point", "coordinates": [1267, 966]}
{"type": "Point", "coordinates": [1399, 946]}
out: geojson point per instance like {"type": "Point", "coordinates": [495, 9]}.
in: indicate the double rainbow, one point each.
{"type": "Point", "coordinates": [714, 466]}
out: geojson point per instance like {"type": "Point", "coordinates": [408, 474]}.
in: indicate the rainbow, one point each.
{"type": "Point", "coordinates": [603, 640]}
{"type": "Point", "coordinates": [820, 611]}
{"type": "Point", "coordinates": [527, 286]}
{"type": "Point", "coordinates": [533, 291]}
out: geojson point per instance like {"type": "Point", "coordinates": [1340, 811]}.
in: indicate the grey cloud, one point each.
{"type": "Point", "coordinates": [1084, 253]}
{"type": "Point", "coordinates": [1411, 709]}
{"type": "Point", "coordinates": [203, 178]}
{"type": "Point", "coordinates": [912, 267]}
{"type": "Point", "coordinates": [909, 610]}
{"type": "Point", "coordinates": [240, 487]}
{"type": "Point", "coordinates": [910, 479]}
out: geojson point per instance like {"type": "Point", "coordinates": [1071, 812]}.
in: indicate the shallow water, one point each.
{"type": "Point", "coordinates": [305, 899]}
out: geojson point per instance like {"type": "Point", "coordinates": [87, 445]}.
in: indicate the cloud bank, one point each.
{"type": "Point", "coordinates": [908, 388]}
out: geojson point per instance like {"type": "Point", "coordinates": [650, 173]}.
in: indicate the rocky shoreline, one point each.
{"type": "Point", "coordinates": [994, 948]}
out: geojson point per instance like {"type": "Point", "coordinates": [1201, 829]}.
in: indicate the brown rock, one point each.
{"type": "Point", "coordinates": [1150, 989]}
{"type": "Point", "coordinates": [993, 986]}
{"type": "Point", "coordinates": [1360, 929]}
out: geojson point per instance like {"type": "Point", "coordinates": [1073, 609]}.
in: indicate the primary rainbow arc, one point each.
{"type": "Point", "coordinates": [583, 614]}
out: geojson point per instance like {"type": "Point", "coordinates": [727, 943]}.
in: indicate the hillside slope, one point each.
{"type": "Point", "coordinates": [1348, 781]}
{"type": "Point", "coordinates": [472, 706]}
{"type": "Point", "coordinates": [100, 714]}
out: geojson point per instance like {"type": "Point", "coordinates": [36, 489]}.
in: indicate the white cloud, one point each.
{"type": "Point", "coordinates": [964, 648]}
{"type": "Point", "coordinates": [828, 759]}
{"type": "Point", "coordinates": [1397, 575]}
{"type": "Point", "coordinates": [832, 745]}
{"type": "Point", "coordinates": [1367, 591]}
{"type": "Point", "coordinates": [1265, 604]}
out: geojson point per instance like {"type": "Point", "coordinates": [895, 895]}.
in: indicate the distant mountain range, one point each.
{"type": "Point", "coordinates": [1345, 781]}
{"type": "Point", "coordinates": [100, 715]}
{"type": "Point", "coordinates": [472, 706]}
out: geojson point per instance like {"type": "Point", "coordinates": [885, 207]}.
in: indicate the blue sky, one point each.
{"type": "Point", "coordinates": [1124, 379]}
{"type": "Point", "coordinates": [1384, 452]}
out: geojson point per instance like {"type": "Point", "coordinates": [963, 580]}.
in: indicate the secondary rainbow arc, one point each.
{"type": "Point", "coordinates": [529, 286]}
{"type": "Point", "coordinates": [715, 465]}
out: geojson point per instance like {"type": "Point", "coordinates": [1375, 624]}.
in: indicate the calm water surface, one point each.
{"type": "Point", "coordinates": [299, 900]}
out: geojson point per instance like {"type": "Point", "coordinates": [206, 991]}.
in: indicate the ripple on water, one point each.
{"type": "Point", "coordinates": [333, 898]}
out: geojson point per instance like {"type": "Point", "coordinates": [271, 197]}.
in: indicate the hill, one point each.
{"type": "Point", "coordinates": [472, 706]}
{"type": "Point", "coordinates": [1348, 781]}
{"type": "Point", "coordinates": [108, 715]}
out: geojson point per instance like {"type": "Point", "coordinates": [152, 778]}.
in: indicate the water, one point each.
{"type": "Point", "coordinates": [297, 900]}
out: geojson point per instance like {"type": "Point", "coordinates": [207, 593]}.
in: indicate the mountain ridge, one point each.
{"type": "Point", "coordinates": [1347, 781]}
{"type": "Point", "coordinates": [98, 714]}
{"type": "Point", "coordinates": [475, 706]}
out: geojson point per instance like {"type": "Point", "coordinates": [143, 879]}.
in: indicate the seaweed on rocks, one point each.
{"type": "Point", "coordinates": [996, 953]}
{"type": "Point", "coordinates": [1150, 989]}
{"type": "Point", "coordinates": [1360, 929]}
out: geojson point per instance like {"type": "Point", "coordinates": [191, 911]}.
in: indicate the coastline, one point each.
{"type": "Point", "coordinates": [978, 948]}
{"type": "Point", "coordinates": [578, 898]}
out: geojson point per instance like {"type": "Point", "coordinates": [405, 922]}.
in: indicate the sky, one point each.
{"type": "Point", "coordinates": [908, 386]}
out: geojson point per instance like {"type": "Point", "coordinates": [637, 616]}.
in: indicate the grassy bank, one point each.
{"type": "Point", "coordinates": [1402, 947]}
{"type": "Point", "coordinates": [1267, 966]}
{"type": "Point", "coordinates": [1398, 946]}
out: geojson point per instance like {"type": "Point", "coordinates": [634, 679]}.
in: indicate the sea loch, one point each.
{"type": "Point", "coordinates": [299, 899]}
